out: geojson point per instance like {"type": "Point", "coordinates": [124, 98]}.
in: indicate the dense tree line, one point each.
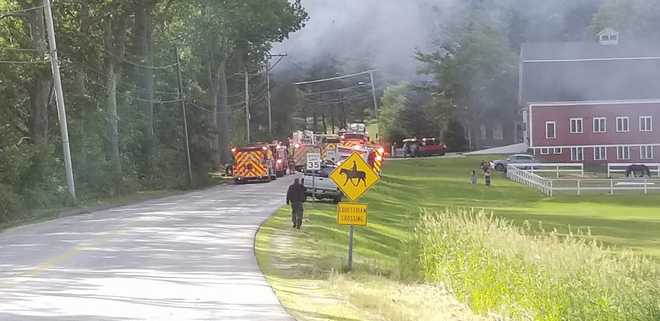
{"type": "Point", "coordinates": [119, 70]}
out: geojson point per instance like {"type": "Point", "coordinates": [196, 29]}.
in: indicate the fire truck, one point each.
{"type": "Point", "coordinates": [329, 145]}
{"type": "Point", "coordinates": [281, 155]}
{"type": "Point", "coordinates": [356, 139]}
{"type": "Point", "coordinates": [303, 142]}
{"type": "Point", "coordinates": [253, 163]}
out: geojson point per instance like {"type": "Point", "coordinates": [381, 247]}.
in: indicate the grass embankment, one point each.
{"type": "Point", "coordinates": [300, 265]}
{"type": "Point", "coordinates": [525, 275]}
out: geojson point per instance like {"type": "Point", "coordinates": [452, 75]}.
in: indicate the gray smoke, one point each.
{"type": "Point", "coordinates": [386, 34]}
{"type": "Point", "coordinates": [381, 34]}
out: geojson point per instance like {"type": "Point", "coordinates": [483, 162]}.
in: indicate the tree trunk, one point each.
{"type": "Point", "coordinates": [224, 113]}
{"type": "Point", "coordinates": [113, 120]}
{"type": "Point", "coordinates": [40, 84]}
{"type": "Point", "coordinates": [325, 127]}
{"type": "Point", "coordinates": [114, 41]}
{"type": "Point", "coordinates": [314, 122]}
{"type": "Point", "coordinates": [332, 120]}
{"type": "Point", "coordinates": [144, 50]}
{"type": "Point", "coordinates": [213, 100]}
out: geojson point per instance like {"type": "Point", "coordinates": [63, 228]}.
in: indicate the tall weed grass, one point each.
{"type": "Point", "coordinates": [524, 273]}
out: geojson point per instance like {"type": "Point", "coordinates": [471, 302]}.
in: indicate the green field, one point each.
{"type": "Point", "coordinates": [624, 222]}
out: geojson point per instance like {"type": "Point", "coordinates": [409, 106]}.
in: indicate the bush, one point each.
{"type": "Point", "coordinates": [523, 274]}
{"type": "Point", "coordinates": [10, 203]}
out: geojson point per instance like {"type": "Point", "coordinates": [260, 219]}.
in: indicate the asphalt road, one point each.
{"type": "Point", "coordinates": [186, 257]}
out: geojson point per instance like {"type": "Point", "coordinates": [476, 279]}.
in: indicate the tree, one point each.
{"type": "Point", "coordinates": [476, 70]}
{"type": "Point", "coordinates": [125, 122]}
{"type": "Point", "coordinates": [394, 101]}
{"type": "Point", "coordinates": [455, 136]}
{"type": "Point", "coordinates": [634, 18]}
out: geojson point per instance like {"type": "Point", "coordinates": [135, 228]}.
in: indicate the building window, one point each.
{"type": "Point", "coordinates": [545, 151]}
{"type": "Point", "coordinates": [623, 153]}
{"type": "Point", "coordinates": [577, 154]}
{"type": "Point", "coordinates": [646, 123]}
{"type": "Point", "coordinates": [550, 130]}
{"type": "Point", "coordinates": [557, 151]}
{"type": "Point", "coordinates": [600, 124]}
{"type": "Point", "coordinates": [622, 124]}
{"type": "Point", "coordinates": [576, 126]}
{"type": "Point", "coordinates": [600, 153]}
{"type": "Point", "coordinates": [647, 152]}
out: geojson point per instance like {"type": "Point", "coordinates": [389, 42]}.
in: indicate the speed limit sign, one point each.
{"type": "Point", "coordinates": [313, 161]}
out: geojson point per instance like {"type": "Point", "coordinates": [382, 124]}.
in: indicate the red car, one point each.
{"type": "Point", "coordinates": [424, 147]}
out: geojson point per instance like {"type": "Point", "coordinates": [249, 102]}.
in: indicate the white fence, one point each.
{"type": "Point", "coordinates": [528, 178]}
{"type": "Point", "coordinates": [579, 185]}
{"type": "Point", "coordinates": [623, 167]}
{"type": "Point", "coordinates": [556, 168]}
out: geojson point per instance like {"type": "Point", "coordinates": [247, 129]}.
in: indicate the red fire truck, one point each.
{"type": "Point", "coordinates": [281, 155]}
{"type": "Point", "coordinates": [253, 163]}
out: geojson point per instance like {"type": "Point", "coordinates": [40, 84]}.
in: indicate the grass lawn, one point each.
{"type": "Point", "coordinates": [297, 262]}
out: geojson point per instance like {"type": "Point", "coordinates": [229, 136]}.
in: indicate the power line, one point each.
{"type": "Point", "coordinates": [136, 64]}
{"type": "Point", "coordinates": [103, 75]}
{"type": "Point", "coordinates": [336, 90]}
{"type": "Point", "coordinates": [20, 11]}
{"type": "Point", "coordinates": [24, 62]}
{"type": "Point", "coordinates": [198, 107]}
{"type": "Point", "coordinates": [21, 49]}
{"type": "Point", "coordinates": [335, 78]}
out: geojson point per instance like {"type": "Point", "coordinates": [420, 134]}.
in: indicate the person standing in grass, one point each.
{"type": "Point", "coordinates": [488, 172]}
{"type": "Point", "coordinates": [473, 178]}
{"type": "Point", "coordinates": [296, 196]}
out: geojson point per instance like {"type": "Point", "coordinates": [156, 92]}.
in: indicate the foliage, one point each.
{"type": "Point", "coordinates": [476, 72]}
{"type": "Point", "coordinates": [121, 91]}
{"type": "Point", "coordinates": [394, 101]}
{"type": "Point", "coordinates": [636, 19]}
{"type": "Point", "coordinates": [521, 274]}
{"type": "Point", "coordinates": [455, 136]}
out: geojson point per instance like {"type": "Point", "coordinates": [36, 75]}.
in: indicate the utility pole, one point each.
{"type": "Point", "coordinates": [270, 113]}
{"type": "Point", "coordinates": [373, 93]}
{"type": "Point", "coordinates": [247, 105]}
{"type": "Point", "coordinates": [61, 110]}
{"type": "Point", "coordinates": [183, 111]}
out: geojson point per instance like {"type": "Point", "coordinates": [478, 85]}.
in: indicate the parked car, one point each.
{"type": "Point", "coordinates": [414, 147]}
{"type": "Point", "coordinates": [432, 147]}
{"type": "Point", "coordinates": [319, 186]}
{"type": "Point", "coordinates": [500, 165]}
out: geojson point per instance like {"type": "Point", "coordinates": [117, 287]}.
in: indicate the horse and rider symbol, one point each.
{"type": "Point", "coordinates": [354, 176]}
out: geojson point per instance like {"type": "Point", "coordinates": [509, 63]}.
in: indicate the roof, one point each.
{"type": "Point", "coordinates": [578, 71]}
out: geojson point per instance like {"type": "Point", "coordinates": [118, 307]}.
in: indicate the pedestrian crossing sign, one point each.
{"type": "Point", "coordinates": [354, 176]}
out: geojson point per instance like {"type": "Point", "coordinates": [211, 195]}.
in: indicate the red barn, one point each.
{"type": "Point", "coordinates": [592, 102]}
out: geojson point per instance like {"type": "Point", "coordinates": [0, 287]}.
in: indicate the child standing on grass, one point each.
{"type": "Point", "coordinates": [487, 175]}
{"type": "Point", "coordinates": [473, 179]}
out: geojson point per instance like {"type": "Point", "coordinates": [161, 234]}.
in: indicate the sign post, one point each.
{"type": "Point", "coordinates": [353, 177]}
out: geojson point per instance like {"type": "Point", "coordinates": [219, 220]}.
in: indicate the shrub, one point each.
{"type": "Point", "coordinates": [523, 274]}
{"type": "Point", "coordinates": [10, 203]}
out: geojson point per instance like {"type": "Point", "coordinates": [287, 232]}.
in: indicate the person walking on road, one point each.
{"type": "Point", "coordinates": [296, 196]}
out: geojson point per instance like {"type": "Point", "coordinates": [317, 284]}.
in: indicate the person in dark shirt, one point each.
{"type": "Point", "coordinates": [296, 196]}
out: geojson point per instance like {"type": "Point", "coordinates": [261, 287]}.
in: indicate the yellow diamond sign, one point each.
{"type": "Point", "coordinates": [354, 176]}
